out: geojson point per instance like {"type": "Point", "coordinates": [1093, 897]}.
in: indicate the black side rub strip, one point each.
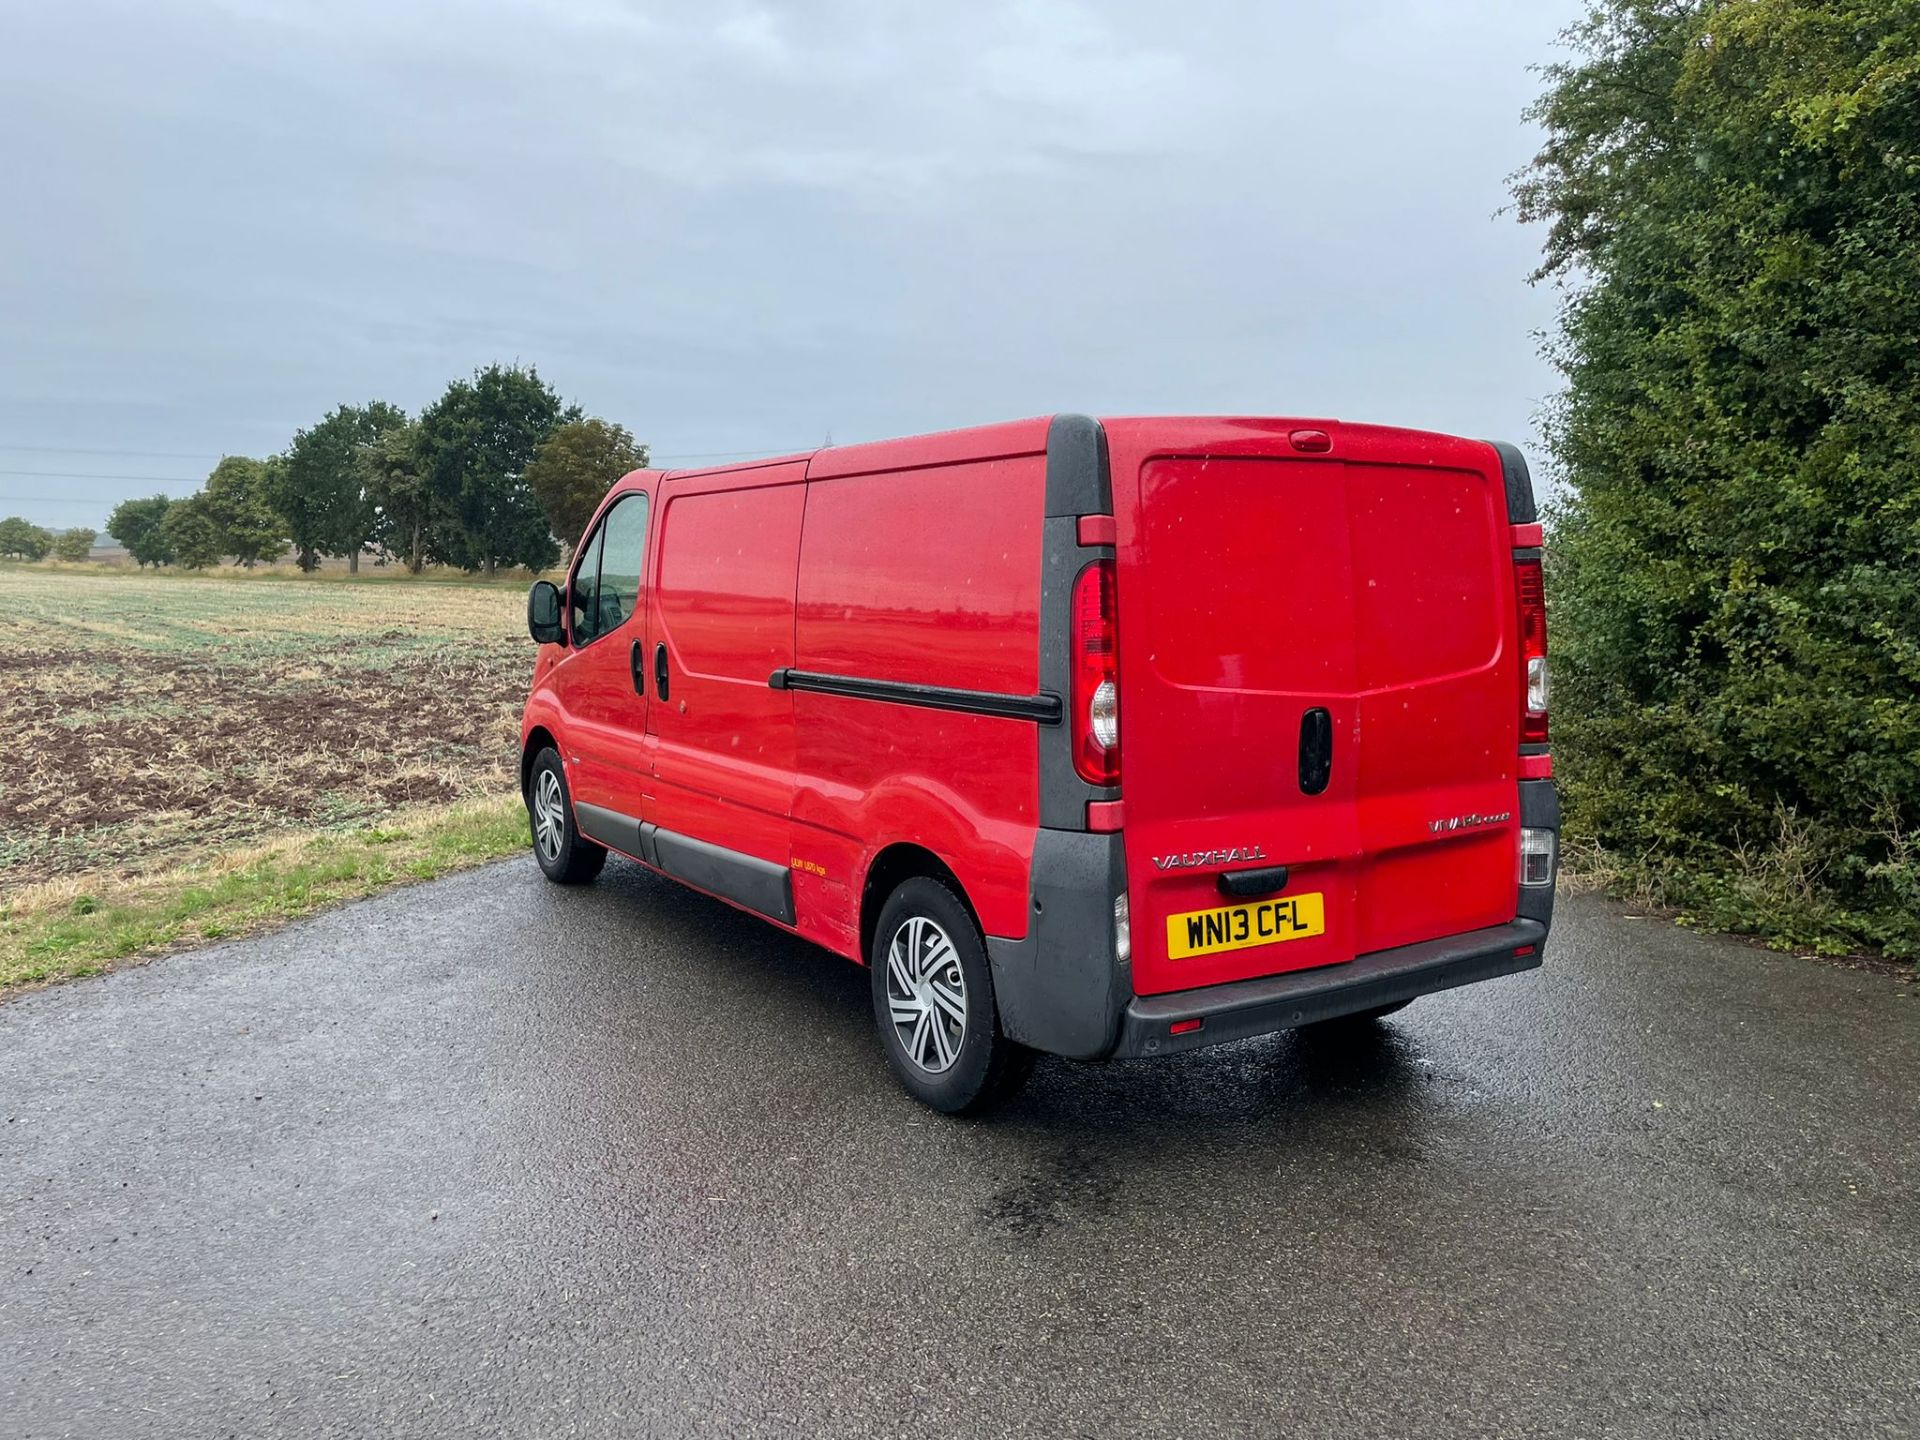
{"type": "Point", "coordinates": [744, 879]}
{"type": "Point", "coordinates": [1043, 708]}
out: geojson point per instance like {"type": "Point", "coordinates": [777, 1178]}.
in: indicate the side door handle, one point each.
{"type": "Point", "coordinates": [637, 668]}
{"type": "Point", "coordinates": [1316, 750]}
{"type": "Point", "coordinates": [660, 670]}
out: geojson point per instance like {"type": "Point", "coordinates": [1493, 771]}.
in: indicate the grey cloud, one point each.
{"type": "Point", "coordinates": [740, 227]}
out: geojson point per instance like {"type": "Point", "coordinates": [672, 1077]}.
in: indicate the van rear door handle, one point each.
{"type": "Point", "coordinates": [1248, 884]}
{"type": "Point", "coordinates": [637, 668]}
{"type": "Point", "coordinates": [660, 670]}
{"type": "Point", "coordinates": [1316, 750]}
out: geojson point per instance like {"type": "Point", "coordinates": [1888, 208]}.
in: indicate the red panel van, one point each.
{"type": "Point", "coordinates": [1097, 737]}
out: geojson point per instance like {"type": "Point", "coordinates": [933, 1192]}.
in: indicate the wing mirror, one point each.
{"type": "Point", "coordinates": [544, 607]}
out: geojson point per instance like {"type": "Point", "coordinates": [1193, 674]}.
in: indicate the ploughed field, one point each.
{"type": "Point", "coordinates": [155, 721]}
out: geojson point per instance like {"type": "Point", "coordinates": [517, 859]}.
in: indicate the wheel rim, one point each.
{"type": "Point", "coordinates": [926, 994]}
{"type": "Point", "coordinates": [549, 815]}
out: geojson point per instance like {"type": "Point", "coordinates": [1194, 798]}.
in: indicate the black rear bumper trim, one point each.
{"type": "Point", "coordinates": [1282, 1002]}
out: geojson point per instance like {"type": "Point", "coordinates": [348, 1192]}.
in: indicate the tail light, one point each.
{"type": "Point", "coordinates": [1096, 676]}
{"type": "Point", "coordinates": [1530, 592]}
{"type": "Point", "coordinates": [1536, 856]}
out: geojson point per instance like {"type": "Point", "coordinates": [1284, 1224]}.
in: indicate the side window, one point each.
{"type": "Point", "coordinates": [583, 593]}
{"type": "Point", "coordinates": [622, 559]}
{"type": "Point", "coordinates": [606, 584]}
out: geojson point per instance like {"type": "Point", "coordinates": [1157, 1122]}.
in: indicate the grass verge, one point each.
{"type": "Point", "coordinates": [84, 925]}
{"type": "Point", "coordinates": [1764, 900]}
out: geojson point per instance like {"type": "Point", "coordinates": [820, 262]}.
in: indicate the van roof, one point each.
{"type": "Point", "coordinates": [1024, 437]}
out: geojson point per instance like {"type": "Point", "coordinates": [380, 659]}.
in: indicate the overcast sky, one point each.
{"type": "Point", "coordinates": [742, 228]}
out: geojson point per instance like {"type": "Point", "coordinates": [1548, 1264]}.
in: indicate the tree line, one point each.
{"type": "Point", "coordinates": [23, 540]}
{"type": "Point", "coordinates": [497, 472]}
{"type": "Point", "coordinates": [1731, 190]}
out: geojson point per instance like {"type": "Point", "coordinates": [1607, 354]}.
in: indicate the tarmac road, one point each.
{"type": "Point", "coordinates": [490, 1157]}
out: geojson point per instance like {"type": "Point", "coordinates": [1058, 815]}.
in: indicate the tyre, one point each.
{"type": "Point", "coordinates": [566, 856]}
{"type": "Point", "coordinates": [933, 1002]}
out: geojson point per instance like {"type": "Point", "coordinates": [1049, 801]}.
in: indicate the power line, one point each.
{"type": "Point", "coordinates": [50, 500]}
{"type": "Point", "coordinates": [196, 480]}
{"type": "Point", "coordinates": [209, 455]}
{"type": "Point", "coordinates": [88, 450]}
{"type": "Point", "coordinates": [95, 475]}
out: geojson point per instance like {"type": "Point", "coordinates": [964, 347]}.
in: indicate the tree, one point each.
{"type": "Point", "coordinates": [236, 501]}
{"type": "Point", "coordinates": [75, 544]}
{"type": "Point", "coordinates": [574, 468]}
{"type": "Point", "coordinates": [475, 444]}
{"type": "Point", "coordinates": [396, 486]}
{"type": "Point", "coordinates": [136, 525]}
{"type": "Point", "coordinates": [1731, 193]}
{"type": "Point", "coordinates": [322, 488]}
{"type": "Point", "coordinates": [24, 540]}
{"type": "Point", "coordinates": [190, 534]}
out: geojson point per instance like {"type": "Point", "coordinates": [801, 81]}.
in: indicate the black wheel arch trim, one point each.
{"type": "Point", "coordinates": [539, 738]}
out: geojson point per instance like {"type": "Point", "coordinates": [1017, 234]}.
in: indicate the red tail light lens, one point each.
{"type": "Point", "coordinates": [1096, 676]}
{"type": "Point", "coordinates": [1530, 591]}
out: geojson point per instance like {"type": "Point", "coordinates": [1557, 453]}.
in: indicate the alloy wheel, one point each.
{"type": "Point", "coordinates": [926, 994]}
{"type": "Point", "coordinates": [549, 815]}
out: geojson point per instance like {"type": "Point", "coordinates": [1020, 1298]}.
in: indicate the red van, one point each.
{"type": "Point", "coordinates": [1097, 737]}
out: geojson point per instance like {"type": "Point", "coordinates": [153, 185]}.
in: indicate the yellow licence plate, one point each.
{"type": "Point", "coordinates": [1241, 927]}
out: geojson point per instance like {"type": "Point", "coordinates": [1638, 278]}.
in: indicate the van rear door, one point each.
{"type": "Point", "coordinates": [1316, 672]}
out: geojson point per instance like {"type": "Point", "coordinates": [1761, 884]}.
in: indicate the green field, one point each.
{"type": "Point", "coordinates": [188, 757]}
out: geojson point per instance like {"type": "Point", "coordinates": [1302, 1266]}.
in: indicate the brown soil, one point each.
{"type": "Point", "coordinates": [121, 757]}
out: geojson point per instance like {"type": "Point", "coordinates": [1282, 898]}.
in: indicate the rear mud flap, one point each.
{"type": "Point", "coordinates": [1062, 988]}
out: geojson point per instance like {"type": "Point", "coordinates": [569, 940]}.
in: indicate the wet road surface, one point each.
{"type": "Point", "coordinates": [492, 1157]}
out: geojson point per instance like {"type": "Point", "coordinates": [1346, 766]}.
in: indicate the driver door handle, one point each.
{"type": "Point", "coordinates": [635, 667]}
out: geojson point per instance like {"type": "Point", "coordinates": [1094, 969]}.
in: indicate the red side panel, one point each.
{"type": "Point", "coordinates": [926, 452]}
{"type": "Point", "coordinates": [723, 608]}
{"type": "Point", "coordinates": [925, 576]}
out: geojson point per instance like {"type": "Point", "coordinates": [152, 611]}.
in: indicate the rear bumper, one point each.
{"type": "Point", "coordinates": [1282, 1002]}
{"type": "Point", "coordinates": [1062, 987]}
